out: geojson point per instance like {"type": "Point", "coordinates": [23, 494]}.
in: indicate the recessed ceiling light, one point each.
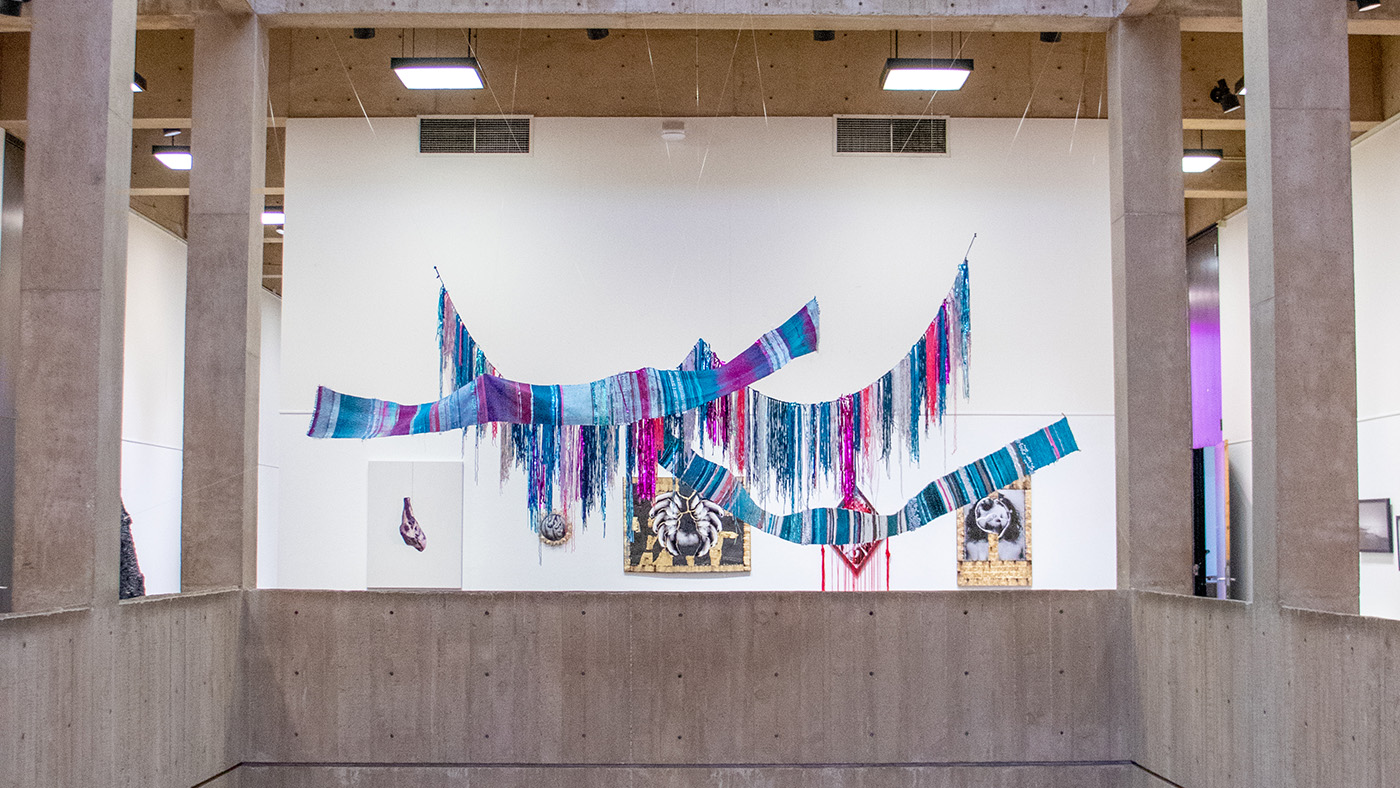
{"type": "Point", "coordinates": [176, 157]}
{"type": "Point", "coordinates": [924, 73]}
{"type": "Point", "coordinates": [1200, 159]}
{"type": "Point", "coordinates": [438, 73]}
{"type": "Point", "coordinates": [138, 83]}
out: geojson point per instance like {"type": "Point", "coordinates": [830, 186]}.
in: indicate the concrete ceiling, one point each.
{"type": "Point", "coordinates": [638, 71]}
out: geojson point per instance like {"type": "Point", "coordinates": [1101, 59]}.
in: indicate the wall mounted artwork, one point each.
{"type": "Point", "coordinates": [856, 567]}
{"type": "Point", "coordinates": [414, 517]}
{"type": "Point", "coordinates": [1376, 536]}
{"type": "Point", "coordinates": [994, 538]}
{"type": "Point", "coordinates": [681, 531]}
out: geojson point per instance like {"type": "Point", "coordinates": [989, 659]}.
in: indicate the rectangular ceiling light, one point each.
{"type": "Point", "coordinates": [925, 73]}
{"type": "Point", "coordinates": [273, 214]}
{"type": "Point", "coordinates": [1200, 159]}
{"type": "Point", "coordinates": [138, 83]}
{"type": "Point", "coordinates": [176, 157]}
{"type": "Point", "coordinates": [438, 73]}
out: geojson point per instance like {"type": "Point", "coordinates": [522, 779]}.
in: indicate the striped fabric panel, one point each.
{"type": "Point", "coordinates": [623, 398]}
{"type": "Point", "coordinates": [845, 526]}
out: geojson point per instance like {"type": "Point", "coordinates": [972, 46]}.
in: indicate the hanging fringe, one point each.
{"type": "Point", "coordinates": [862, 567]}
{"type": "Point", "coordinates": [784, 450]}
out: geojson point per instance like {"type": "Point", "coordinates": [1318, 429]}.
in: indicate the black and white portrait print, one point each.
{"type": "Point", "coordinates": [994, 538]}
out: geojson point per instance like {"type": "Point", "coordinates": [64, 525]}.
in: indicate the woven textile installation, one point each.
{"type": "Point", "coordinates": [856, 567]}
{"type": "Point", "coordinates": [788, 449]}
{"type": "Point", "coordinates": [620, 399]}
{"type": "Point", "coordinates": [132, 582]}
{"type": "Point", "coordinates": [994, 538]}
{"type": "Point", "coordinates": [784, 448]}
{"type": "Point", "coordinates": [962, 487]}
{"type": "Point", "coordinates": [681, 531]}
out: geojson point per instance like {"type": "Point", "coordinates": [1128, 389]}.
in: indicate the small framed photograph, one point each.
{"type": "Point", "coordinates": [1376, 533]}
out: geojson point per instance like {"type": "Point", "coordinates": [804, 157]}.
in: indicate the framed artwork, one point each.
{"type": "Point", "coordinates": [681, 531]}
{"type": "Point", "coordinates": [414, 538]}
{"type": "Point", "coordinates": [1375, 519]}
{"type": "Point", "coordinates": [994, 538]}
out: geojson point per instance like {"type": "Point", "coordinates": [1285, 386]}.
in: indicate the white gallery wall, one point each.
{"type": "Point", "coordinates": [605, 250]}
{"type": "Point", "coordinates": [1375, 204]}
{"type": "Point", "coordinates": [269, 392]}
{"type": "Point", "coordinates": [153, 405]}
{"type": "Point", "coordinates": [153, 399]}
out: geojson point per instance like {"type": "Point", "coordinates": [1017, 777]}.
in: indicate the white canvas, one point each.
{"type": "Point", "coordinates": [435, 489]}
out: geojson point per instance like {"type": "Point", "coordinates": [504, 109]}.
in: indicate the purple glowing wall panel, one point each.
{"type": "Point", "coordinates": [1203, 283]}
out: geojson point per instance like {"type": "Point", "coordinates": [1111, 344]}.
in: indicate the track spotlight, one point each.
{"type": "Point", "coordinates": [1221, 95]}
{"type": "Point", "coordinates": [596, 33]}
{"type": "Point", "coordinates": [11, 7]}
{"type": "Point", "coordinates": [170, 132]}
{"type": "Point", "coordinates": [1367, 5]}
{"type": "Point", "coordinates": [823, 35]}
{"type": "Point", "coordinates": [438, 73]}
{"type": "Point", "coordinates": [1050, 38]}
{"type": "Point", "coordinates": [362, 33]}
{"type": "Point", "coordinates": [1239, 87]}
{"type": "Point", "coordinates": [138, 83]}
{"type": "Point", "coordinates": [176, 157]}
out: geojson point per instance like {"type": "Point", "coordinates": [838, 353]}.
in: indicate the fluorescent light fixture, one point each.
{"type": "Point", "coordinates": [925, 73]}
{"type": "Point", "coordinates": [438, 73]}
{"type": "Point", "coordinates": [138, 83]}
{"type": "Point", "coordinates": [176, 157]}
{"type": "Point", "coordinates": [273, 214]}
{"type": "Point", "coordinates": [1200, 159]}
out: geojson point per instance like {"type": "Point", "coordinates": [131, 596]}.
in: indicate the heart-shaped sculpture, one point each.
{"type": "Point", "coordinates": [409, 529]}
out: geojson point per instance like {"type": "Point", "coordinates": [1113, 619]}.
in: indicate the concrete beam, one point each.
{"type": "Point", "coordinates": [72, 305]}
{"type": "Point", "coordinates": [1302, 306]}
{"type": "Point", "coordinates": [1216, 194]}
{"type": "Point", "coordinates": [1025, 15]}
{"type": "Point", "coordinates": [219, 525]}
{"type": "Point", "coordinates": [1152, 387]}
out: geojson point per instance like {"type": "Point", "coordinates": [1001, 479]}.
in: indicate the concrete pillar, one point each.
{"type": "Point", "coordinates": [1302, 304]}
{"type": "Point", "coordinates": [72, 297]}
{"type": "Point", "coordinates": [1152, 383]}
{"type": "Point", "coordinates": [219, 529]}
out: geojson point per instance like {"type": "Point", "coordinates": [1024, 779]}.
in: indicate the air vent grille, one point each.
{"type": "Point", "coordinates": [473, 135]}
{"type": "Point", "coordinates": [892, 135]}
